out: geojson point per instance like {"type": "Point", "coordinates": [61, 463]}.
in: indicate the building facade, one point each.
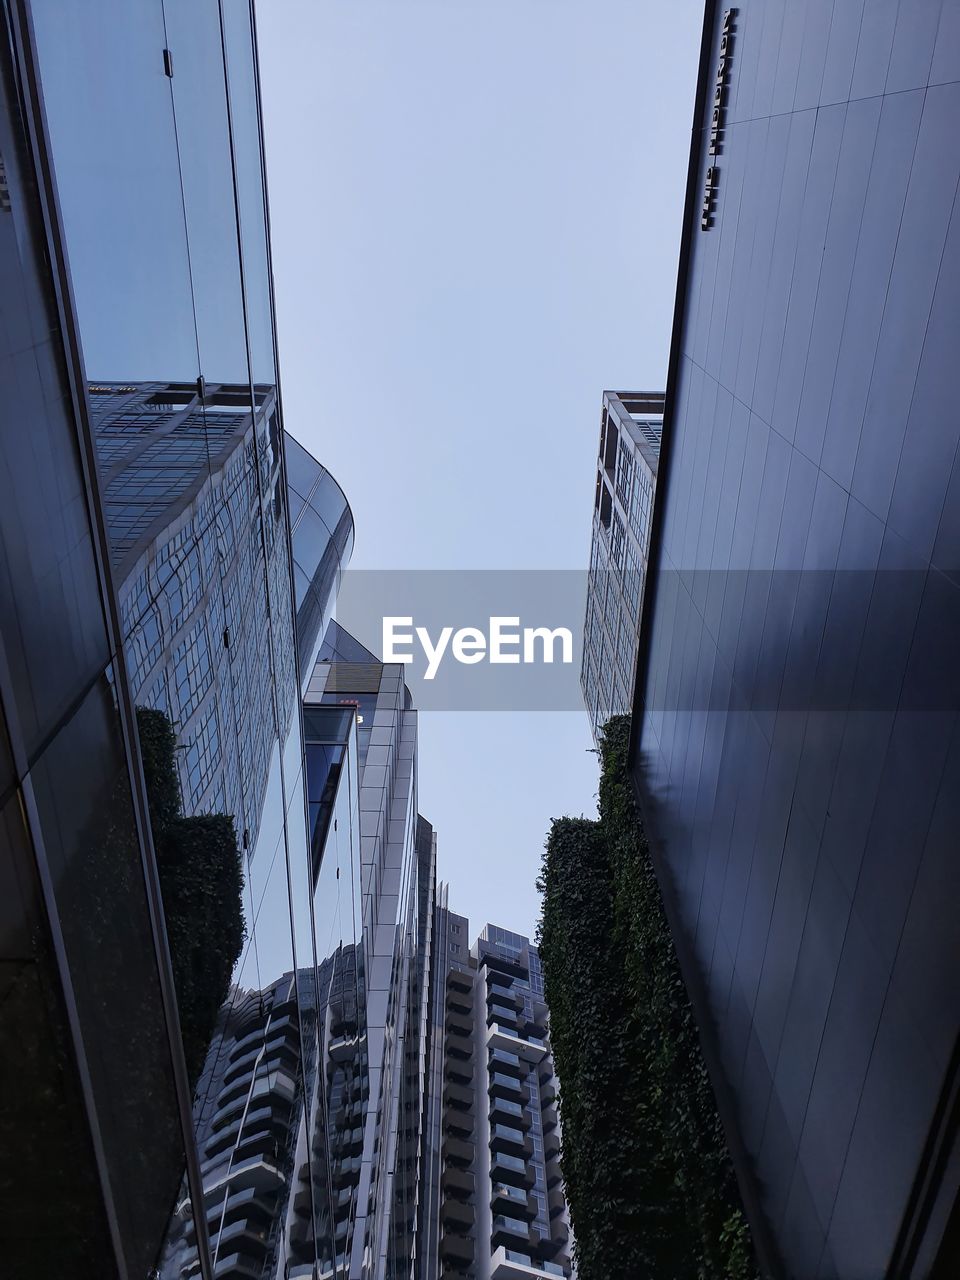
{"type": "Point", "coordinates": [796, 742]}
{"type": "Point", "coordinates": [195, 510]}
{"type": "Point", "coordinates": [193, 978]}
{"type": "Point", "coordinates": [361, 734]}
{"type": "Point", "coordinates": [630, 426]}
{"type": "Point", "coordinates": [494, 1202]}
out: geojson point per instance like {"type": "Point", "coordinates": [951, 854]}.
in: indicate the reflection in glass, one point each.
{"type": "Point", "coordinates": [51, 1215]}
{"type": "Point", "coordinates": [322, 527]}
{"type": "Point", "coordinates": [86, 819]}
{"type": "Point", "coordinates": [165, 222]}
{"type": "Point", "coordinates": [196, 537]}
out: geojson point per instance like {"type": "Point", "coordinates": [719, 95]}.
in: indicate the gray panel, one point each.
{"type": "Point", "coordinates": [800, 731]}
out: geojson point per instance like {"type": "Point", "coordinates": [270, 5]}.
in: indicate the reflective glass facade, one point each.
{"type": "Point", "coordinates": [630, 425]}
{"type": "Point", "coordinates": [322, 524]}
{"type": "Point", "coordinates": [193, 501]}
{"type": "Point", "coordinates": [796, 736]}
{"type": "Point", "coordinates": [166, 1110]}
{"type": "Point", "coordinates": [365, 793]}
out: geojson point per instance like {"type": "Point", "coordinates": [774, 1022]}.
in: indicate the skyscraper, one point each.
{"type": "Point", "coordinates": [494, 1194]}
{"type": "Point", "coordinates": [795, 732]}
{"type": "Point", "coordinates": [630, 426]}
{"type": "Point", "coordinates": [185, 969]}
{"type": "Point", "coordinates": [376, 869]}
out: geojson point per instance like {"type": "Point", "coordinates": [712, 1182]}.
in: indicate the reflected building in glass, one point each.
{"type": "Point", "coordinates": [193, 501]}
{"type": "Point", "coordinates": [630, 424]}
{"type": "Point", "coordinates": [196, 515]}
{"type": "Point", "coordinates": [376, 860]}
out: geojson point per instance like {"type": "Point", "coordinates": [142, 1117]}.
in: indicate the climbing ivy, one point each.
{"type": "Point", "coordinates": [648, 1178]}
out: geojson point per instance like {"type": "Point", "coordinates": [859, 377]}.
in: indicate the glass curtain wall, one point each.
{"type": "Point", "coordinates": [175, 646]}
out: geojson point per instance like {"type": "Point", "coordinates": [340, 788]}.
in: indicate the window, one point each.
{"type": "Point", "coordinates": [624, 473]}
{"type": "Point", "coordinates": [617, 541]}
{"type": "Point", "coordinates": [455, 947]}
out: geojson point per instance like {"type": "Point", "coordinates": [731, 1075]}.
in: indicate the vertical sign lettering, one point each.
{"type": "Point", "coordinates": [718, 119]}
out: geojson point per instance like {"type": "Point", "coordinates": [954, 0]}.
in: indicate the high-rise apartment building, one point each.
{"type": "Point", "coordinates": [493, 1196]}
{"type": "Point", "coordinates": [796, 738]}
{"type": "Point", "coordinates": [630, 425]}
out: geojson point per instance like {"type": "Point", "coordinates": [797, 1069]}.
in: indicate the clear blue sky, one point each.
{"type": "Point", "coordinates": [476, 211]}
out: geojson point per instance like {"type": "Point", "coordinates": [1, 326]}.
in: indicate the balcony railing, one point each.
{"type": "Point", "coordinates": [548, 1268]}
{"type": "Point", "coordinates": [516, 1226]}
{"type": "Point", "coordinates": [510, 1162]}
{"type": "Point", "coordinates": [507, 1133]}
{"type": "Point", "coordinates": [507, 1059]}
{"type": "Point", "coordinates": [506, 1107]}
{"type": "Point", "coordinates": [509, 1193]}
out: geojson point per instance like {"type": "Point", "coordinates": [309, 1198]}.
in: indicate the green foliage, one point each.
{"type": "Point", "coordinates": [649, 1181]}
{"type": "Point", "coordinates": [158, 742]}
{"type": "Point", "coordinates": [201, 878]}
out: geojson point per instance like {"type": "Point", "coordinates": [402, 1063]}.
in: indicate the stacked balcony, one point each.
{"type": "Point", "coordinates": [508, 1263]}
{"type": "Point", "coordinates": [510, 1169]}
{"type": "Point", "coordinates": [457, 1180]}
{"type": "Point", "coordinates": [503, 1083]}
{"type": "Point", "coordinates": [507, 1110]}
{"type": "Point", "coordinates": [510, 1139]}
{"type": "Point", "coordinates": [507, 1037]}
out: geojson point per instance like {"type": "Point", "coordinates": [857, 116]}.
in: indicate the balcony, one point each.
{"type": "Point", "coordinates": [504, 1137]}
{"type": "Point", "coordinates": [497, 1012]}
{"type": "Point", "coordinates": [458, 1216]}
{"type": "Point", "coordinates": [505, 1168]}
{"type": "Point", "coordinates": [258, 1120]}
{"type": "Point", "coordinates": [459, 1023]}
{"type": "Point", "coordinates": [507, 1086]}
{"type": "Point", "coordinates": [498, 989]}
{"type": "Point", "coordinates": [499, 966]}
{"type": "Point", "coordinates": [501, 1060]}
{"type": "Point", "coordinates": [238, 1266]}
{"type": "Point", "coordinates": [245, 1203]}
{"type": "Point", "coordinates": [506, 1111]}
{"type": "Point", "coordinates": [458, 1095]}
{"type": "Point", "coordinates": [458, 1046]}
{"type": "Point", "coordinates": [456, 1248]}
{"type": "Point", "coordinates": [460, 1002]}
{"type": "Point", "coordinates": [260, 1172]}
{"type": "Point", "coordinates": [510, 1041]}
{"type": "Point", "coordinates": [514, 1202]}
{"type": "Point", "coordinates": [457, 1182]}
{"type": "Point", "coordinates": [457, 1152]}
{"type": "Point", "coordinates": [556, 1201]}
{"type": "Point", "coordinates": [458, 980]}
{"type": "Point", "coordinates": [459, 1071]}
{"type": "Point", "coordinates": [458, 1124]}
{"type": "Point", "coordinates": [510, 1231]}
{"type": "Point", "coordinates": [511, 1264]}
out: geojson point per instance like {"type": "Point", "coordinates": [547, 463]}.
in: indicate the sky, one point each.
{"type": "Point", "coordinates": [476, 211]}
